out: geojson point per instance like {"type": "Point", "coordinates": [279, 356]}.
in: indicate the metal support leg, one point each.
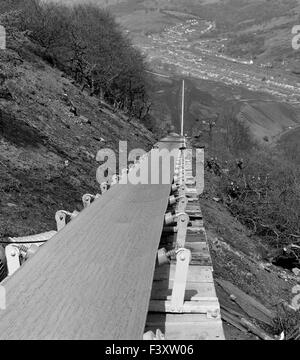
{"type": "Point", "coordinates": [183, 258]}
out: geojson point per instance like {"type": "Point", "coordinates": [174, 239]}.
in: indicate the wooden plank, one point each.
{"type": "Point", "coordinates": [93, 279]}
{"type": "Point", "coordinates": [201, 260]}
{"type": "Point", "coordinates": [198, 248]}
{"type": "Point", "coordinates": [195, 230]}
{"type": "Point", "coordinates": [186, 326]}
{"type": "Point", "coordinates": [193, 207]}
{"type": "Point", "coordinates": [162, 290]}
{"type": "Point", "coordinates": [196, 273]}
{"type": "Point", "coordinates": [194, 215]}
{"type": "Point", "coordinates": [192, 211]}
{"type": "Point", "coordinates": [256, 330]}
{"type": "Point", "coordinates": [200, 253]}
{"type": "Point", "coordinates": [196, 307]}
{"type": "Point", "coordinates": [232, 320]}
{"type": "Point", "coordinates": [196, 237]}
{"type": "Point", "coordinates": [251, 306]}
{"type": "Point", "coordinates": [196, 223]}
{"type": "Point", "coordinates": [231, 311]}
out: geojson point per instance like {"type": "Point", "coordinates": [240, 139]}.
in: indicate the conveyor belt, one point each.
{"type": "Point", "coordinates": [93, 279]}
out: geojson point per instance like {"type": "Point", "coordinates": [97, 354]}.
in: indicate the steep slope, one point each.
{"type": "Point", "coordinates": [269, 119]}
{"type": "Point", "coordinates": [243, 260]}
{"type": "Point", "coordinates": [50, 133]}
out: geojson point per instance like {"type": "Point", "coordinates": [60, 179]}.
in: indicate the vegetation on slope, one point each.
{"type": "Point", "coordinates": [50, 133]}
{"type": "Point", "coordinates": [85, 42]}
{"type": "Point", "coordinates": [259, 184]}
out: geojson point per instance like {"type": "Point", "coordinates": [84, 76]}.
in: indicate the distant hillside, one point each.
{"type": "Point", "coordinates": [257, 27]}
{"type": "Point", "coordinates": [206, 101]}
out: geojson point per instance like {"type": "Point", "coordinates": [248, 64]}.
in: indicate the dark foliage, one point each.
{"type": "Point", "coordinates": [85, 42]}
{"type": "Point", "coordinates": [260, 186]}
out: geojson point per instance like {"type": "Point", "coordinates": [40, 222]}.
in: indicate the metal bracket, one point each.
{"type": "Point", "coordinates": [182, 224]}
{"type": "Point", "coordinates": [15, 252]}
{"type": "Point", "coordinates": [12, 254]}
{"type": "Point", "coordinates": [183, 259]}
{"type": "Point", "coordinates": [87, 198]}
{"type": "Point", "coordinates": [182, 203]}
{"type": "Point", "coordinates": [61, 218]}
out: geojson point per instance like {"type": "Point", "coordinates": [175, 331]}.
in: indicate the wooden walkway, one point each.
{"type": "Point", "coordinates": [93, 279]}
{"type": "Point", "coordinates": [200, 318]}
